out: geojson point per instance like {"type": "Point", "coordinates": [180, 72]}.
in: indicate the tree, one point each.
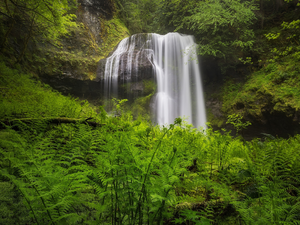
{"type": "Point", "coordinates": [222, 27]}
{"type": "Point", "coordinates": [47, 18]}
{"type": "Point", "coordinates": [286, 40]}
{"type": "Point", "coordinates": [219, 25]}
{"type": "Point", "coordinates": [138, 15]}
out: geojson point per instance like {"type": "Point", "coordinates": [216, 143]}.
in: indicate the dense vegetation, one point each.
{"type": "Point", "coordinates": [55, 38]}
{"type": "Point", "coordinates": [44, 18]}
{"type": "Point", "coordinates": [65, 161]}
{"type": "Point", "coordinates": [255, 45]}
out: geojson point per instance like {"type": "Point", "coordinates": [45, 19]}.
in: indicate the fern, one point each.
{"type": "Point", "coordinates": [49, 188]}
{"type": "Point", "coordinates": [277, 203]}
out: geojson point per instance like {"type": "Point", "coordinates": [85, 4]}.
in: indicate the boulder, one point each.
{"type": "Point", "coordinates": [141, 69]}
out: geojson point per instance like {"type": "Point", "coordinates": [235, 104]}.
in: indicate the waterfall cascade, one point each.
{"type": "Point", "coordinates": [176, 70]}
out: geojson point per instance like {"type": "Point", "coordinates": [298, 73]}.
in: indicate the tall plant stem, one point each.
{"type": "Point", "coordinates": [160, 211]}
{"type": "Point", "coordinates": [147, 173]}
{"type": "Point", "coordinates": [7, 33]}
{"type": "Point", "coordinates": [41, 198]}
{"type": "Point", "coordinates": [26, 40]}
{"type": "Point", "coordinates": [27, 200]}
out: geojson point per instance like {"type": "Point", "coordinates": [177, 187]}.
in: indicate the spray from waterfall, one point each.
{"type": "Point", "coordinates": [176, 69]}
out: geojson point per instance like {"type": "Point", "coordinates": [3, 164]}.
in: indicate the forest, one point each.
{"type": "Point", "coordinates": [66, 160]}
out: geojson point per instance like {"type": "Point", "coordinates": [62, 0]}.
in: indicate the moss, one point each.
{"type": "Point", "coordinates": [141, 106]}
{"type": "Point", "coordinates": [113, 31]}
{"type": "Point", "coordinates": [77, 52]}
{"type": "Point", "coordinates": [149, 87]}
{"type": "Point", "coordinates": [273, 88]}
{"type": "Point", "coordinates": [215, 121]}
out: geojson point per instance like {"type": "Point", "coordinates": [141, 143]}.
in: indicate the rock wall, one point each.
{"type": "Point", "coordinates": [76, 56]}
{"type": "Point", "coordinates": [90, 13]}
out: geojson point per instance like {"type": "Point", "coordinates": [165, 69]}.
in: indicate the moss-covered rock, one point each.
{"type": "Point", "coordinates": [76, 54]}
{"type": "Point", "coordinates": [142, 105]}
{"type": "Point", "coordinates": [270, 96]}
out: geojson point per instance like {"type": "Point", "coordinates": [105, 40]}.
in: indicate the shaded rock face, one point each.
{"type": "Point", "coordinates": [132, 59]}
{"type": "Point", "coordinates": [72, 67]}
{"type": "Point", "coordinates": [262, 113]}
{"type": "Point", "coordinates": [82, 89]}
{"type": "Point", "coordinates": [271, 121]}
{"type": "Point", "coordinates": [142, 71]}
{"type": "Point", "coordinates": [90, 12]}
{"type": "Point", "coordinates": [276, 123]}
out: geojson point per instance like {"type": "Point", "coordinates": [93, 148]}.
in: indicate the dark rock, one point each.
{"type": "Point", "coordinates": [83, 89]}
{"type": "Point", "coordinates": [143, 70]}
{"type": "Point", "coordinates": [105, 7]}
{"type": "Point", "coordinates": [90, 12]}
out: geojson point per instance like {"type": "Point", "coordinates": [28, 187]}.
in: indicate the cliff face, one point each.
{"type": "Point", "coordinates": [135, 82]}
{"type": "Point", "coordinates": [75, 56]}
{"type": "Point", "coordinates": [92, 12]}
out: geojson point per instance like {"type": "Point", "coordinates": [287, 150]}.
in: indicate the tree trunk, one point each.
{"type": "Point", "coordinates": [262, 14]}
{"type": "Point", "coordinates": [26, 41]}
{"type": "Point", "coordinates": [7, 33]}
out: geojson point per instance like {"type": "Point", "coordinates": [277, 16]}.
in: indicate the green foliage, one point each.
{"type": "Point", "coordinates": [138, 15]}
{"type": "Point", "coordinates": [192, 216]}
{"type": "Point", "coordinates": [21, 97]}
{"type": "Point", "coordinates": [112, 32]}
{"type": "Point", "coordinates": [46, 19]}
{"type": "Point", "coordinates": [221, 27]}
{"type": "Point", "coordinates": [274, 86]}
{"type": "Point", "coordinates": [49, 16]}
{"type": "Point", "coordinates": [141, 106]}
{"type": "Point", "coordinates": [271, 87]}
{"type": "Point", "coordinates": [118, 106]}
{"type": "Point", "coordinates": [215, 121]}
{"type": "Point", "coordinates": [286, 42]}
{"type": "Point", "coordinates": [13, 211]}
{"type": "Point", "coordinates": [248, 60]}
{"type": "Point", "coordinates": [236, 121]}
{"type": "Point", "coordinates": [270, 185]}
{"type": "Point", "coordinates": [131, 172]}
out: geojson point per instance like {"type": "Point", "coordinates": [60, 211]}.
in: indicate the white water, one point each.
{"type": "Point", "coordinates": [177, 72]}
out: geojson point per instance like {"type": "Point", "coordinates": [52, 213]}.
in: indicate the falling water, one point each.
{"type": "Point", "coordinates": [174, 61]}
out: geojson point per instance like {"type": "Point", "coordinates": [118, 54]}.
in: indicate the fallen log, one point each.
{"type": "Point", "coordinates": [54, 120]}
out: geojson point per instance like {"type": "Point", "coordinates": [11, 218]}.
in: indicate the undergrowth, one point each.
{"type": "Point", "coordinates": [122, 171]}
{"type": "Point", "coordinates": [23, 97]}
{"type": "Point", "coordinates": [274, 87]}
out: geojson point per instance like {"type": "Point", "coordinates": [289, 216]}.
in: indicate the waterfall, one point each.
{"type": "Point", "coordinates": [175, 65]}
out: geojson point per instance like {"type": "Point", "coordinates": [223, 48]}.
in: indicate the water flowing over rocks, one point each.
{"type": "Point", "coordinates": [137, 65]}
{"type": "Point", "coordinates": [128, 63]}
{"type": "Point", "coordinates": [172, 61]}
